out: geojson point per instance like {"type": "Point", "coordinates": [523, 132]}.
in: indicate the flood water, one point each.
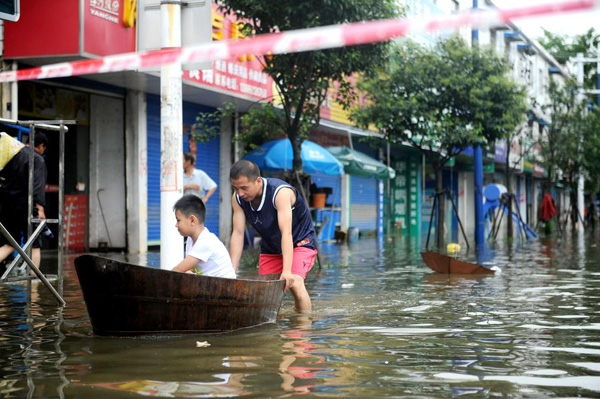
{"type": "Point", "coordinates": [383, 326]}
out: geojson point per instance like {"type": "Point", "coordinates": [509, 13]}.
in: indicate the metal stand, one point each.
{"type": "Point", "coordinates": [434, 210]}
{"type": "Point", "coordinates": [25, 252]}
{"type": "Point", "coordinates": [505, 200]}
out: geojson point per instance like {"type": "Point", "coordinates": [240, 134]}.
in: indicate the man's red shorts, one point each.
{"type": "Point", "coordinates": [302, 262]}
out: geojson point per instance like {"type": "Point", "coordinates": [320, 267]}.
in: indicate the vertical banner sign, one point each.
{"type": "Point", "coordinates": [400, 197]}
{"type": "Point", "coordinates": [380, 209]}
{"type": "Point", "coordinates": [407, 197]}
{"type": "Point", "coordinates": [414, 183]}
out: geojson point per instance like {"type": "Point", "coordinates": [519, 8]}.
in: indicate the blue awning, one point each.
{"type": "Point", "coordinates": [20, 128]}
{"type": "Point", "coordinates": [278, 155]}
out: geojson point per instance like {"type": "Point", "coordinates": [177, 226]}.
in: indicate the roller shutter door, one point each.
{"type": "Point", "coordinates": [208, 160]}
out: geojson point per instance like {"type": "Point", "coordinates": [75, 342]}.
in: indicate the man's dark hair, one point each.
{"type": "Point", "coordinates": [189, 205]}
{"type": "Point", "coordinates": [188, 156]}
{"type": "Point", "coordinates": [245, 168]}
{"type": "Point", "coordinates": [40, 138]}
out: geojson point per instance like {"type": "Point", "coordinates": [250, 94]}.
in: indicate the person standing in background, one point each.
{"type": "Point", "coordinates": [14, 191]}
{"type": "Point", "coordinates": [196, 181]}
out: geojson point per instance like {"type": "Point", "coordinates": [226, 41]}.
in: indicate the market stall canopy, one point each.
{"type": "Point", "coordinates": [278, 155]}
{"type": "Point", "coordinates": [360, 164]}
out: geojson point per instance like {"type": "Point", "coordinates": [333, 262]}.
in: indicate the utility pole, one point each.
{"type": "Point", "coordinates": [580, 62]}
{"type": "Point", "coordinates": [478, 168]}
{"type": "Point", "coordinates": [171, 137]}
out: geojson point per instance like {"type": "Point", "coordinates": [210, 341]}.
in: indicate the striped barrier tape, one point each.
{"type": "Point", "coordinates": [295, 41]}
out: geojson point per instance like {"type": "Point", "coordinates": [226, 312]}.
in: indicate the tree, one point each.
{"type": "Point", "coordinates": [569, 146]}
{"type": "Point", "coordinates": [302, 79]}
{"type": "Point", "coordinates": [564, 48]}
{"type": "Point", "coordinates": [442, 100]}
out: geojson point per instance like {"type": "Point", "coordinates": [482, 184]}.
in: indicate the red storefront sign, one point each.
{"type": "Point", "coordinates": [244, 77]}
{"type": "Point", "coordinates": [57, 28]}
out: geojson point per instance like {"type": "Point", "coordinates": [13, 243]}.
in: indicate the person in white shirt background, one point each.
{"type": "Point", "coordinates": [205, 254]}
{"type": "Point", "coordinates": [196, 181]}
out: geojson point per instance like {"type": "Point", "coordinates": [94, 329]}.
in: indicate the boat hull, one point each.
{"type": "Point", "coordinates": [448, 265]}
{"type": "Point", "coordinates": [126, 299]}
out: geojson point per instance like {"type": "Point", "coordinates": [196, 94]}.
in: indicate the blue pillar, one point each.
{"type": "Point", "coordinates": [479, 225]}
{"type": "Point", "coordinates": [475, 32]}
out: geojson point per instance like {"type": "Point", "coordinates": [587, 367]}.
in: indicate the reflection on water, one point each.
{"type": "Point", "coordinates": [383, 326]}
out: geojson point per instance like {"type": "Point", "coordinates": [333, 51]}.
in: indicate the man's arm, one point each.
{"type": "Point", "coordinates": [236, 244]}
{"type": "Point", "coordinates": [209, 194]}
{"type": "Point", "coordinates": [283, 202]}
{"type": "Point", "coordinates": [39, 185]}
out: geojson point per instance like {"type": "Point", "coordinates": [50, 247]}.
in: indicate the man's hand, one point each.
{"type": "Point", "coordinates": [41, 213]}
{"type": "Point", "coordinates": [289, 280]}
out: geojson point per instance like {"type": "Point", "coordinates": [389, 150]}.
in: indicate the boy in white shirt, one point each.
{"type": "Point", "coordinates": [205, 253]}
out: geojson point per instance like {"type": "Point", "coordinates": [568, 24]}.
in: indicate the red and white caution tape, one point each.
{"type": "Point", "coordinates": [295, 41]}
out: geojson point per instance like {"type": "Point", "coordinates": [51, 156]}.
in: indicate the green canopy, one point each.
{"type": "Point", "coordinates": [360, 164]}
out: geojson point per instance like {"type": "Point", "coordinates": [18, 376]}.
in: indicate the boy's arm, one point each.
{"type": "Point", "coordinates": [187, 264]}
{"type": "Point", "coordinates": [236, 244]}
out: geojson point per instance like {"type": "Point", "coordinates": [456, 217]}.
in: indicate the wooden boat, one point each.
{"type": "Point", "coordinates": [448, 265]}
{"type": "Point", "coordinates": [126, 299]}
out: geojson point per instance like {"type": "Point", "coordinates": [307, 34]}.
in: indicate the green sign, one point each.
{"type": "Point", "coordinates": [407, 196]}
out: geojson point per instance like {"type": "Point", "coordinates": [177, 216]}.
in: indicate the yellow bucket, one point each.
{"type": "Point", "coordinates": [453, 248]}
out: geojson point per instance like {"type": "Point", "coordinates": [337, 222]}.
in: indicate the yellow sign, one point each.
{"type": "Point", "coordinates": [129, 13]}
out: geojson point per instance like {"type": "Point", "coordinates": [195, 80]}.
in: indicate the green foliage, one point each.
{"type": "Point", "coordinates": [259, 125]}
{"type": "Point", "coordinates": [442, 99]}
{"type": "Point", "coordinates": [591, 149]}
{"type": "Point", "coordinates": [208, 124]}
{"type": "Point", "coordinates": [572, 140]}
{"type": "Point", "coordinates": [560, 144]}
{"type": "Point", "coordinates": [564, 48]}
{"type": "Point", "coordinates": [302, 79]}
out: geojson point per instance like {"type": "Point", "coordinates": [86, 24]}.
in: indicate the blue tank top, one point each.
{"type": "Point", "coordinates": [264, 218]}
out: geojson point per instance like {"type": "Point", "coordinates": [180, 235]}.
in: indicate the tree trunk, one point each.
{"type": "Point", "coordinates": [440, 211]}
{"type": "Point", "coordinates": [297, 151]}
{"type": "Point", "coordinates": [509, 221]}
{"type": "Point", "coordinates": [574, 210]}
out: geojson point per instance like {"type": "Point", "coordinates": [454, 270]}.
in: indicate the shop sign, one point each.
{"type": "Point", "coordinates": [406, 196]}
{"type": "Point", "coordinates": [243, 76]}
{"type": "Point", "coordinates": [246, 79]}
{"type": "Point", "coordinates": [105, 28]}
{"type": "Point", "coordinates": [501, 148]}
{"type": "Point", "coordinates": [57, 28]}
{"type": "Point", "coordinates": [538, 170]}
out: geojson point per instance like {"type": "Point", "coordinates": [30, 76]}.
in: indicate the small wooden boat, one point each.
{"type": "Point", "coordinates": [448, 265]}
{"type": "Point", "coordinates": [126, 299]}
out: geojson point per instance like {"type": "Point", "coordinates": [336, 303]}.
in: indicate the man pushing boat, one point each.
{"type": "Point", "coordinates": [281, 216]}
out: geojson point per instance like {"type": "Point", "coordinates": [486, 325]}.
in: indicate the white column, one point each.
{"type": "Point", "coordinates": [581, 180]}
{"type": "Point", "coordinates": [225, 193]}
{"type": "Point", "coordinates": [137, 171]}
{"type": "Point", "coordinates": [345, 203]}
{"type": "Point", "coordinates": [14, 96]}
{"type": "Point", "coordinates": [171, 138]}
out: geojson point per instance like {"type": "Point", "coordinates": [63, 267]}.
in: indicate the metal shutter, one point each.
{"type": "Point", "coordinates": [208, 160]}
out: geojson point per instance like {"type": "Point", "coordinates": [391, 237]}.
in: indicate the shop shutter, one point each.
{"type": "Point", "coordinates": [153, 137]}
{"type": "Point", "coordinates": [208, 160]}
{"type": "Point", "coordinates": [363, 200]}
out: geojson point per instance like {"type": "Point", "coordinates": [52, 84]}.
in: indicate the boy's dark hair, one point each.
{"type": "Point", "coordinates": [40, 138]}
{"type": "Point", "coordinates": [245, 168]}
{"type": "Point", "coordinates": [189, 205]}
{"type": "Point", "coordinates": [188, 156]}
